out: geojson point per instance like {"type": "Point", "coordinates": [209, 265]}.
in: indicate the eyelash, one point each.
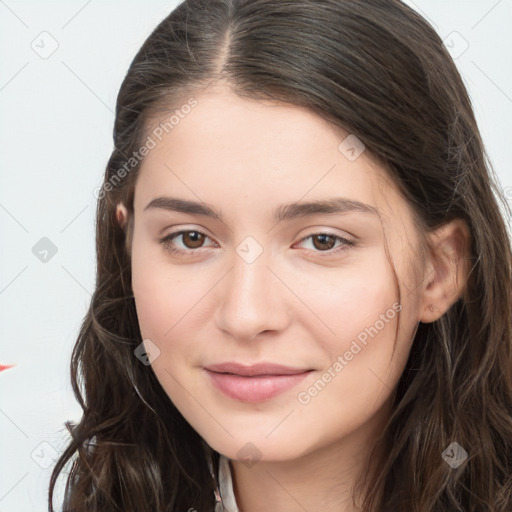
{"type": "Point", "coordinates": [167, 240]}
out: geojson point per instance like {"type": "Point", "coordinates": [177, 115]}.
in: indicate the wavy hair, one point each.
{"type": "Point", "coordinates": [376, 69]}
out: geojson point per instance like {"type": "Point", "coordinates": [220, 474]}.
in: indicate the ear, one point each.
{"type": "Point", "coordinates": [121, 214]}
{"type": "Point", "coordinates": [447, 269]}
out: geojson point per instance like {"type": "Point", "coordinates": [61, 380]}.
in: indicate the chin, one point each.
{"type": "Point", "coordinates": [251, 446]}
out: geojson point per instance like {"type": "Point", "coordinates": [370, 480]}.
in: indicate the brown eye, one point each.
{"type": "Point", "coordinates": [327, 243]}
{"type": "Point", "coordinates": [184, 242]}
{"type": "Point", "coordinates": [193, 239]}
{"type": "Point", "coordinates": [323, 242]}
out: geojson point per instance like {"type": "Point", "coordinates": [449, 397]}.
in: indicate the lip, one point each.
{"type": "Point", "coordinates": [254, 383]}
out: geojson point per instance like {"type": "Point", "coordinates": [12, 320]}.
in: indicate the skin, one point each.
{"type": "Point", "coordinates": [295, 304]}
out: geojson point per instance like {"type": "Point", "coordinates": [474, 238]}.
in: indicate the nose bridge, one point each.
{"type": "Point", "coordinates": [252, 300]}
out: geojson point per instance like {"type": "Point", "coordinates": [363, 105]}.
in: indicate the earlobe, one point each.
{"type": "Point", "coordinates": [445, 280]}
{"type": "Point", "coordinates": [121, 214]}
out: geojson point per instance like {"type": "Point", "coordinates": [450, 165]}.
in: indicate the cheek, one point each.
{"type": "Point", "coordinates": [352, 299]}
{"type": "Point", "coordinates": [361, 364]}
{"type": "Point", "coordinates": [162, 303]}
{"type": "Point", "coordinates": [168, 301]}
{"type": "Point", "coordinates": [166, 295]}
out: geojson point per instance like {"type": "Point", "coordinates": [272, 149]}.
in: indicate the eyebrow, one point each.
{"type": "Point", "coordinates": [283, 212]}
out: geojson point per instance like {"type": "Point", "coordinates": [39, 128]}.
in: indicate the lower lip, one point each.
{"type": "Point", "coordinates": [254, 389]}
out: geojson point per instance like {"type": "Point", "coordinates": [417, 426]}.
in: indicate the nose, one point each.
{"type": "Point", "coordinates": [252, 300]}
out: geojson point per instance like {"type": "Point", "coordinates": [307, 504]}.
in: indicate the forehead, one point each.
{"type": "Point", "coordinates": [247, 155]}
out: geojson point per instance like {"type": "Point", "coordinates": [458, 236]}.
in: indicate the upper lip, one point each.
{"type": "Point", "coordinates": [255, 369]}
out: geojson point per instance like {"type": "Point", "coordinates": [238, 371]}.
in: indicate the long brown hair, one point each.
{"type": "Point", "coordinates": [378, 70]}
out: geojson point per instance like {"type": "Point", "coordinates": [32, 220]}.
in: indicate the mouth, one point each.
{"type": "Point", "coordinates": [255, 383]}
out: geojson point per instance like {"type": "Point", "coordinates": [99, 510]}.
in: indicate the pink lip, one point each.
{"type": "Point", "coordinates": [254, 383]}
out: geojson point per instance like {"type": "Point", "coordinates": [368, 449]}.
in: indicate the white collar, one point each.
{"type": "Point", "coordinates": [225, 496]}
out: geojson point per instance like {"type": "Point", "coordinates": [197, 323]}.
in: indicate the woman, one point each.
{"type": "Point", "coordinates": [303, 296]}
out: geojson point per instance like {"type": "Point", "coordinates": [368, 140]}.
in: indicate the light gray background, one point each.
{"type": "Point", "coordinates": [56, 119]}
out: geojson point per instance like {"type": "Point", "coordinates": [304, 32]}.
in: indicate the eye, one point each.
{"type": "Point", "coordinates": [326, 243]}
{"type": "Point", "coordinates": [191, 239]}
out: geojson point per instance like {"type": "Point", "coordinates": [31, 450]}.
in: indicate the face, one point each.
{"type": "Point", "coordinates": [275, 325]}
